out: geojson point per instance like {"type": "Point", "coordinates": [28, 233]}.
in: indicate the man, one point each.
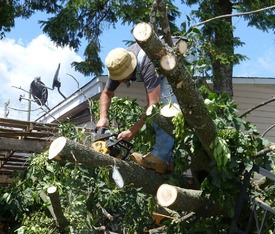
{"type": "Point", "coordinates": [133, 65]}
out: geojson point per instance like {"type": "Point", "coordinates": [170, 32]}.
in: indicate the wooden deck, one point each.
{"type": "Point", "coordinates": [19, 139]}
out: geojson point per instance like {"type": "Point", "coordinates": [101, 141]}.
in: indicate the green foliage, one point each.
{"type": "Point", "coordinates": [235, 150]}
{"type": "Point", "coordinates": [221, 153]}
{"type": "Point", "coordinates": [238, 142]}
{"type": "Point", "coordinates": [88, 198]}
{"type": "Point", "coordinates": [91, 200]}
{"type": "Point", "coordinates": [69, 130]}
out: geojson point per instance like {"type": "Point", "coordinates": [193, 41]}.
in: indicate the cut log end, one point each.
{"type": "Point", "coordinates": [56, 147]}
{"type": "Point", "coordinates": [142, 32]}
{"type": "Point", "coordinates": [182, 46]}
{"type": "Point", "coordinates": [51, 189]}
{"type": "Point", "coordinates": [166, 195]}
{"type": "Point", "coordinates": [150, 109]}
{"type": "Point", "coordinates": [170, 110]}
{"type": "Point", "coordinates": [168, 62]}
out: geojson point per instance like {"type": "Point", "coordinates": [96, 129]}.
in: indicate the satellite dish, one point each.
{"type": "Point", "coordinates": [56, 81]}
{"type": "Point", "coordinates": [39, 91]}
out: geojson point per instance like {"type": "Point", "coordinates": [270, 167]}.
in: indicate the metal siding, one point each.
{"type": "Point", "coordinates": [136, 90]}
{"type": "Point", "coordinates": [248, 96]}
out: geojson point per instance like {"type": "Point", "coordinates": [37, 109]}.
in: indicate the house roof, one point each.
{"type": "Point", "coordinates": [254, 80]}
{"type": "Point", "coordinates": [75, 102]}
{"type": "Point", "coordinates": [79, 99]}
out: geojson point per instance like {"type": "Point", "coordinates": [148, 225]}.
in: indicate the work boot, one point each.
{"type": "Point", "coordinates": [150, 161]}
{"type": "Point", "coordinates": [170, 167]}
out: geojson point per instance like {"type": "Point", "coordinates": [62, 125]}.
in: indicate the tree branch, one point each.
{"type": "Point", "coordinates": [267, 130]}
{"type": "Point", "coordinates": [190, 100]}
{"type": "Point", "coordinates": [265, 151]}
{"type": "Point", "coordinates": [232, 15]}
{"type": "Point", "coordinates": [164, 22]}
{"type": "Point", "coordinates": [258, 106]}
{"type": "Point", "coordinates": [55, 201]}
{"type": "Point", "coordinates": [153, 16]}
{"type": "Point", "coordinates": [63, 149]}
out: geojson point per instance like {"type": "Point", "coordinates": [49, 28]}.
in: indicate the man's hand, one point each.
{"type": "Point", "coordinates": [103, 122]}
{"type": "Point", "coordinates": [126, 135]}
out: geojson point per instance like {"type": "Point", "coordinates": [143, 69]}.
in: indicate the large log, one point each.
{"type": "Point", "coordinates": [168, 63]}
{"type": "Point", "coordinates": [63, 149]}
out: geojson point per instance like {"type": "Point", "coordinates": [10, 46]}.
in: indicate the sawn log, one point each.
{"type": "Point", "coordinates": [63, 149]}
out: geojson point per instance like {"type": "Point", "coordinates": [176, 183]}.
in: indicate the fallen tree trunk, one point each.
{"type": "Point", "coordinates": [63, 149]}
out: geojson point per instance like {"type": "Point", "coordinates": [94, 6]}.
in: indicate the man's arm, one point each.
{"type": "Point", "coordinates": [152, 98]}
{"type": "Point", "coordinates": [104, 105]}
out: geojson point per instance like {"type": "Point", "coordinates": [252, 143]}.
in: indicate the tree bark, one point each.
{"type": "Point", "coordinates": [180, 199]}
{"type": "Point", "coordinates": [63, 149]}
{"type": "Point", "coordinates": [188, 200]}
{"type": "Point", "coordinates": [190, 101]}
{"type": "Point", "coordinates": [222, 73]}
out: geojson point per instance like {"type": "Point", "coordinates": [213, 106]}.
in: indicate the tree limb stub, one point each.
{"type": "Point", "coordinates": [60, 218]}
{"type": "Point", "coordinates": [63, 149]}
{"type": "Point", "coordinates": [168, 62]}
{"type": "Point", "coordinates": [182, 46]}
{"type": "Point", "coordinates": [190, 100]}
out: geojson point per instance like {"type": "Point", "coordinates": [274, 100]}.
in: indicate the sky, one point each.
{"type": "Point", "coordinates": [26, 53]}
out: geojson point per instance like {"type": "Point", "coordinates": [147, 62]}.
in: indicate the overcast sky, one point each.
{"type": "Point", "coordinates": [27, 53]}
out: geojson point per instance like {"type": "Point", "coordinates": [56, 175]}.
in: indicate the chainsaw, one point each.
{"type": "Point", "coordinates": [106, 142]}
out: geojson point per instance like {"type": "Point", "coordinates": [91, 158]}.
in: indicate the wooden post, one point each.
{"type": "Point", "coordinates": [57, 209]}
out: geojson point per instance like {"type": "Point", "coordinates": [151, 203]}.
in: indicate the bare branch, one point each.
{"type": "Point", "coordinates": [74, 80]}
{"type": "Point", "coordinates": [82, 93]}
{"type": "Point", "coordinates": [233, 15]}
{"type": "Point", "coordinates": [267, 130]}
{"type": "Point", "coordinates": [265, 151]}
{"type": "Point", "coordinates": [20, 89]}
{"type": "Point", "coordinates": [258, 106]}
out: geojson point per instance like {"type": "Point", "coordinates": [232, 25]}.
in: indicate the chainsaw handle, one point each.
{"type": "Point", "coordinates": [101, 130]}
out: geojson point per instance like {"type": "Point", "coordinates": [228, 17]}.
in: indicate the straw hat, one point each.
{"type": "Point", "coordinates": [120, 63]}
